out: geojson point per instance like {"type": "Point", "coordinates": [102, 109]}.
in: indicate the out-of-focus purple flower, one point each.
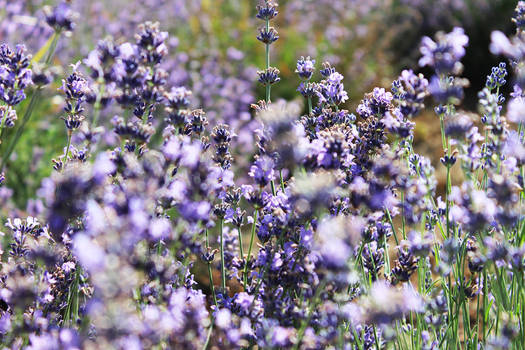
{"type": "Point", "coordinates": [282, 337]}
{"type": "Point", "coordinates": [160, 228]}
{"type": "Point", "coordinates": [448, 89]}
{"type": "Point", "coordinates": [262, 171]}
{"type": "Point", "coordinates": [501, 45]}
{"type": "Point", "coordinates": [445, 52]}
{"type": "Point", "coordinates": [514, 147]}
{"type": "Point", "coordinates": [5, 323]}
{"type": "Point", "coordinates": [336, 238]}
{"type": "Point", "coordinates": [61, 17]}
{"type": "Point", "coordinates": [516, 110]}
{"type": "Point", "coordinates": [386, 303]}
{"type": "Point", "coordinates": [195, 211]}
{"type": "Point", "coordinates": [90, 255]}
{"type": "Point", "coordinates": [519, 16]}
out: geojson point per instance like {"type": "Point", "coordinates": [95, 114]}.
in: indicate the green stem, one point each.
{"type": "Point", "coordinates": [210, 274]}
{"type": "Point", "coordinates": [97, 107]}
{"type": "Point", "coordinates": [254, 224]}
{"type": "Point", "coordinates": [223, 268]}
{"type": "Point", "coordinates": [392, 225]}
{"type": "Point", "coordinates": [240, 243]}
{"type": "Point", "coordinates": [71, 312]}
{"type": "Point", "coordinates": [2, 128]}
{"type": "Point", "coordinates": [304, 324]}
{"type": "Point", "coordinates": [208, 337]}
{"type": "Point", "coordinates": [69, 134]}
{"type": "Point", "coordinates": [282, 180]}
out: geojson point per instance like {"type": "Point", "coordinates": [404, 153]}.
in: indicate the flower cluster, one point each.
{"type": "Point", "coordinates": [328, 231]}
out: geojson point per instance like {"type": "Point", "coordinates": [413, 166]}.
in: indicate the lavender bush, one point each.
{"type": "Point", "coordinates": [299, 225]}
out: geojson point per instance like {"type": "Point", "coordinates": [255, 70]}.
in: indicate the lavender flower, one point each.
{"type": "Point", "coordinates": [262, 171]}
{"type": "Point", "coordinates": [76, 88]}
{"type": "Point", "coordinates": [269, 76]}
{"type": "Point", "coordinates": [305, 68]}
{"type": "Point", "coordinates": [445, 52]}
{"type": "Point", "coordinates": [15, 74]}
{"type": "Point", "coordinates": [179, 177]}
{"type": "Point", "coordinates": [410, 91]}
{"type": "Point", "coordinates": [61, 17]}
{"type": "Point", "coordinates": [331, 90]}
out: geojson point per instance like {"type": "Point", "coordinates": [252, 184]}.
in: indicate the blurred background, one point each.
{"type": "Point", "coordinates": [213, 51]}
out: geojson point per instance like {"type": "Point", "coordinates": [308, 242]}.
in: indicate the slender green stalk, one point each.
{"type": "Point", "coordinates": [210, 274]}
{"type": "Point", "coordinates": [282, 179]}
{"type": "Point", "coordinates": [239, 232]}
{"type": "Point", "coordinates": [208, 337]}
{"type": "Point", "coordinates": [389, 217]}
{"type": "Point", "coordinates": [71, 312]}
{"type": "Point", "coordinates": [254, 224]}
{"type": "Point", "coordinates": [223, 268]}
{"type": "Point", "coordinates": [2, 127]}
{"type": "Point", "coordinates": [272, 185]}
{"type": "Point", "coordinates": [306, 321]}
{"type": "Point", "coordinates": [66, 155]}
{"type": "Point", "coordinates": [98, 105]}
{"type": "Point", "coordinates": [387, 257]}
{"type": "Point", "coordinates": [376, 338]}
{"type": "Point", "coordinates": [268, 86]}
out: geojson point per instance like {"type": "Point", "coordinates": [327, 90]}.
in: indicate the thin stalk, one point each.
{"type": "Point", "coordinates": [485, 311]}
{"type": "Point", "coordinates": [304, 324]}
{"type": "Point", "coordinates": [2, 127]}
{"type": "Point", "coordinates": [250, 248]}
{"type": "Point", "coordinates": [403, 221]}
{"type": "Point", "coordinates": [69, 135]}
{"type": "Point", "coordinates": [208, 337]}
{"type": "Point", "coordinates": [268, 86]}
{"type": "Point", "coordinates": [210, 274]}
{"type": "Point", "coordinates": [447, 193]}
{"type": "Point", "coordinates": [376, 338]}
{"type": "Point", "coordinates": [392, 225]}
{"type": "Point", "coordinates": [223, 268]}
{"type": "Point", "coordinates": [240, 243]}
{"type": "Point", "coordinates": [71, 313]}
{"type": "Point", "coordinates": [387, 257]}
{"type": "Point", "coordinates": [97, 107]}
